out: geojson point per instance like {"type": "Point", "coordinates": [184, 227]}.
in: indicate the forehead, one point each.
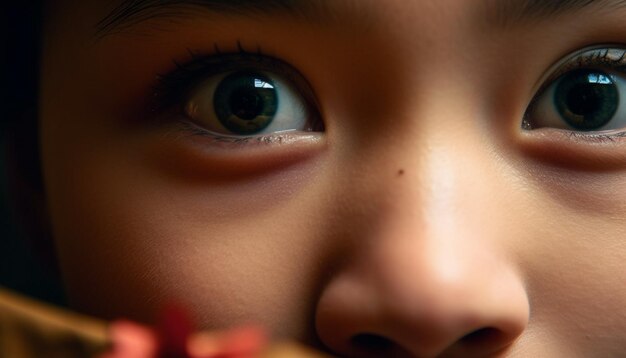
{"type": "Point", "coordinates": [121, 14]}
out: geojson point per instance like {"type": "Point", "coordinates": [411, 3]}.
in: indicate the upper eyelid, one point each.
{"type": "Point", "coordinates": [594, 56]}
{"type": "Point", "coordinates": [573, 61]}
{"type": "Point", "coordinates": [177, 84]}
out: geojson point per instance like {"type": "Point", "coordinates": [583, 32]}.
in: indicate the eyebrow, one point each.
{"type": "Point", "coordinates": [520, 11]}
{"type": "Point", "coordinates": [504, 12]}
{"type": "Point", "coordinates": [133, 12]}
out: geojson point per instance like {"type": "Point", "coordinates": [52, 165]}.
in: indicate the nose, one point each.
{"type": "Point", "coordinates": [422, 307]}
{"type": "Point", "coordinates": [432, 280]}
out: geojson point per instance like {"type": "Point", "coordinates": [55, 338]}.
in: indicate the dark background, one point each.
{"type": "Point", "coordinates": [25, 251]}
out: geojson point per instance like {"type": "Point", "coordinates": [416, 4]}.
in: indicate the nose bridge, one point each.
{"type": "Point", "coordinates": [446, 180]}
{"type": "Point", "coordinates": [439, 236]}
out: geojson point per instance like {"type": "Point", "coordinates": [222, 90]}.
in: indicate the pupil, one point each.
{"type": "Point", "coordinates": [246, 103]}
{"type": "Point", "coordinates": [584, 99]}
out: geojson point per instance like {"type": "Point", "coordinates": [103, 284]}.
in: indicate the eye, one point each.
{"type": "Point", "coordinates": [239, 95]}
{"type": "Point", "coordinates": [248, 102]}
{"type": "Point", "coordinates": [587, 98]}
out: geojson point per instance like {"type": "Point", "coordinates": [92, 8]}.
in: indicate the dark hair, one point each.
{"type": "Point", "coordinates": [25, 249]}
{"type": "Point", "coordinates": [21, 63]}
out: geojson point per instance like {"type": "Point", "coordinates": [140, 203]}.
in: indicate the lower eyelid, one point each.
{"type": "Point", "coordinates": [582, 138]}
{"type": "Point", "coordinates": [186, 150]}
{"type": "Point", "coordinates": [189, 129]}
{"type": "Point", "coordinates": [599, 151]}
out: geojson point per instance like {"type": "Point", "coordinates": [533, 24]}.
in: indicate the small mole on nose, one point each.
{"type": "Point", "coordinates": [401, 172]}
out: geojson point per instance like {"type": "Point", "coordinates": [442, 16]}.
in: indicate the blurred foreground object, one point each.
{"type": "Point", "coordinates": [33, 329]}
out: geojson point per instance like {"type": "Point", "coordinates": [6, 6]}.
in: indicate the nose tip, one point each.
{"type": "Point", "coordinates": [398, 314]}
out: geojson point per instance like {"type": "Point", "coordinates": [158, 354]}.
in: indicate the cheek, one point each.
{"type": "Point", "coordinates": [132, 237]}
{"type": "Point", "coordinates": [574, 265]}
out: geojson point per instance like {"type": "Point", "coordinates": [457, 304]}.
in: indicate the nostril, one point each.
{"type": "Point", "coordinates": [481, 336]}
{"type": "Point", "coordinates": [371, 342]}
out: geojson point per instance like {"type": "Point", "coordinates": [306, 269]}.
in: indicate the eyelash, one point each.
{"type": "Point", "coordinates": [195, 130]}
{"type": "Point", "coordinates": [174, 88]}
{"type": "Point", "coordinates": [599, 58]}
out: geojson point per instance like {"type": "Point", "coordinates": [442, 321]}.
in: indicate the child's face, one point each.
{"type": "Point", "coordinates": [464, 195]}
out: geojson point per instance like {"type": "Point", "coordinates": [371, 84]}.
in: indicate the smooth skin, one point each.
{"type": "Point", "coordinates": [423, 222]}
